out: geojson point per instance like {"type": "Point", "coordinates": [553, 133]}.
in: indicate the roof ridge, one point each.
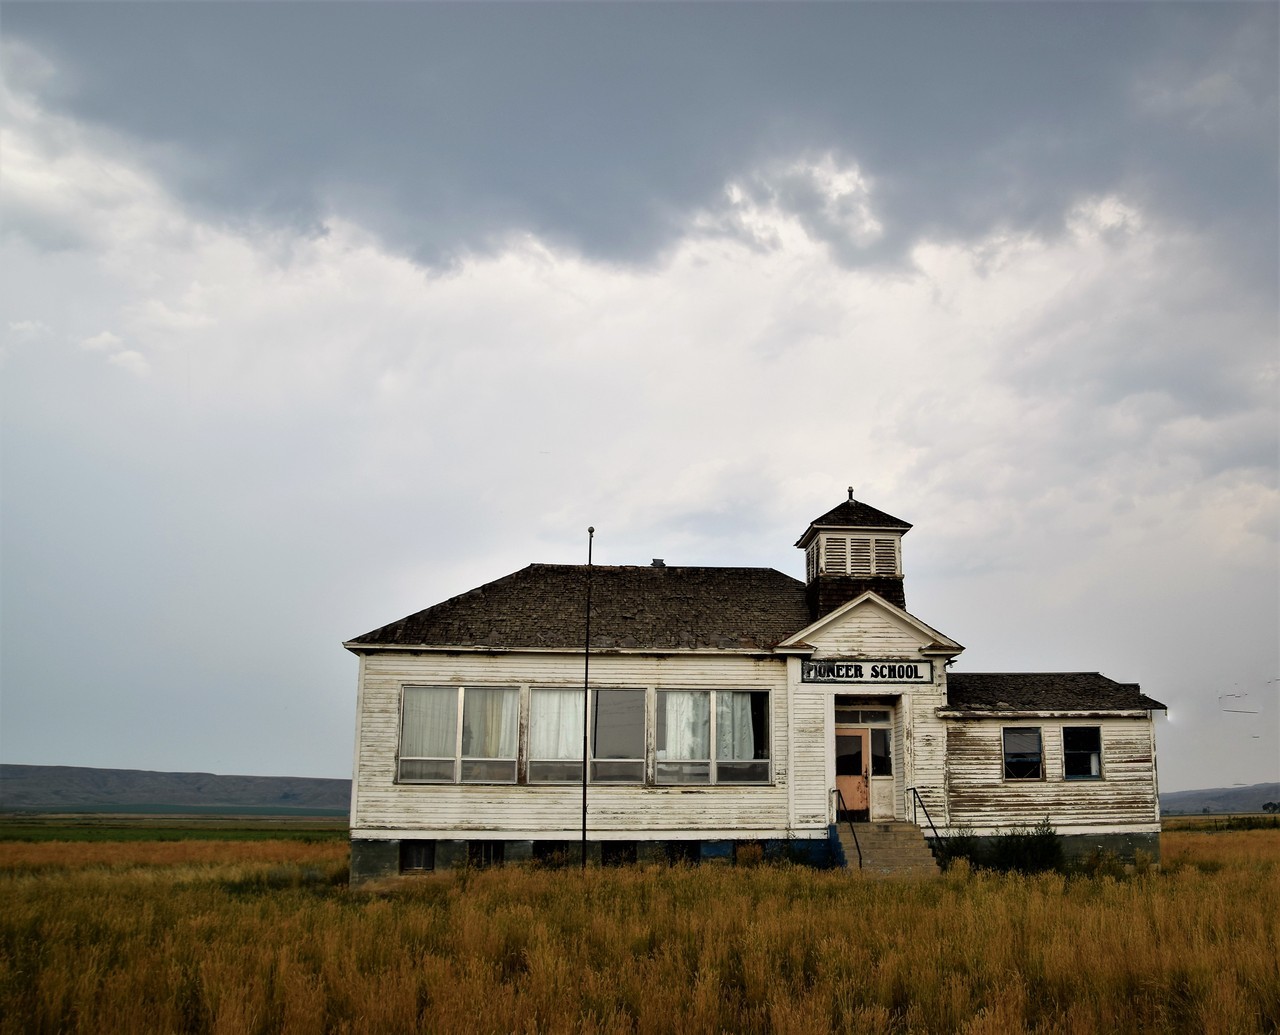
{"type": "Point", "coordinates": [1056, 672]}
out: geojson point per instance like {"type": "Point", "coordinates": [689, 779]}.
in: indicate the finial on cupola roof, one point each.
{"type": "Point", "coordinates": [850, 493]}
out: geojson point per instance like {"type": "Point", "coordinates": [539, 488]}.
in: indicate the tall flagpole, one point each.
{"type": "Point", "coordinates": [586, 701]}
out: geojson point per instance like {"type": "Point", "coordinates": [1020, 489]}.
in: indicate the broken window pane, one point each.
{"type": "Point", "coordinates": [1082, 752]}
{"type": "Point", "coordinates": [881, 759]}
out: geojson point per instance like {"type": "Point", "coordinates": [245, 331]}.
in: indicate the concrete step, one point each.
{"type": "Point", "coordinates": [888, 850]}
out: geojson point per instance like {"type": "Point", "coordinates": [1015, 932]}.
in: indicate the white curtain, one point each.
{"type": "Point", "coordinates": [735, 735]}
{"type": "Point", "coordinates": [687, 717]}
{"type": "Point", "coordinates": [555, 724]}
{"type": "Point", "coordinates": [430, 722]}
{"type": "Point", "coordinates": [490, 722]}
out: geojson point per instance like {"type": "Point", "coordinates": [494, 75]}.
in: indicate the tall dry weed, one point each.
{"type": "Point", "coordinates": [275, 945]}
{"type": "Point", "coordinates": [20, 855]}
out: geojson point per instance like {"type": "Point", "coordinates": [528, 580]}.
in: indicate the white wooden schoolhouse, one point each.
{"type": "Point", "coordinates": [725, 707]}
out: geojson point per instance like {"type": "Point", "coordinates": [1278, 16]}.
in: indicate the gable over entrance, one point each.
{"type": "Point", "coordinates": [871, 626]}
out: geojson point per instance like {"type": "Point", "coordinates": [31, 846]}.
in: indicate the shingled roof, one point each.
{"type": "Point", "coordinates": [648, 608]}
{"type": "Point", "coordinates": [852, 513]}
{"type": "Point", "coordinates": [1043, 691]}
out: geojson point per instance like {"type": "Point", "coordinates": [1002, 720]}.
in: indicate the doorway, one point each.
{"type": "Point", "coordinates": [853, 773]}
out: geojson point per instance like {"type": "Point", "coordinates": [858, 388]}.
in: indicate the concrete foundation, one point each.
{"type": "Point", "coordinates": [373, 859]}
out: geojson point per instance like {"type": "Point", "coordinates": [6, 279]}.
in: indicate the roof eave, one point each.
{"type": "Point", "coordinates": [814, 529]}
{"type": "Point", "coordinates": [476, 648]}
{"type": "Point", "coordinates": [948, 712]}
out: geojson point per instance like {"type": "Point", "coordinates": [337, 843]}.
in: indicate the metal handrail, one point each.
{"type": "Point", "coordinates": [920, 801]}
{"type": "Point", "coordinates": [841, 806]}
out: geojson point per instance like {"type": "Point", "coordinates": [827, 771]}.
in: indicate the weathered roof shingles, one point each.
{"type": "Point", "coordinates": [646, 608]}
{"type": "Point", "coordinates": [855, 514]}
{"type": "Point", "coordinates": [1043, 691]}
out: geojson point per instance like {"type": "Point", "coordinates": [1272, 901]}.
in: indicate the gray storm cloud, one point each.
{"type": "Point", "coordinates": [318, 314]}
{"type": "Point", "coordinates": [445, 126]}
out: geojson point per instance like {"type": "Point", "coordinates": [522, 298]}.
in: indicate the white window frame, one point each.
{"type": "Point", "coordinates": [457, 758]}
{"type": "Point", "coordinates": [642, 758]}
{"type": "Point", "coordinates": [1004, 755]}
{"type": "Point", "coordinates": [713, 760]}
{"type": "Point", "coordinates": [648, 759]}
{"type": "Point", "coordinates": [527, 744]}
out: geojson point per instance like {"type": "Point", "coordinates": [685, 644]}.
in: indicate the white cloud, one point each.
{"type": "Point", "coordinates": [27, 329]}
{"type": "Point", "coordinates": [161, 316]}
{"type": "Point", "coordinates": [102, 341]}
{"type": "Point", "coordinates": [784, 204]}
{"type": "Point", "coordinates": [131, 360]}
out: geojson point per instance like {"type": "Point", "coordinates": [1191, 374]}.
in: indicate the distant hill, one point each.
{"type": "Point", "coordinates": [1219, 799]}
{"type": "Point", "coordinates": [62, 788]}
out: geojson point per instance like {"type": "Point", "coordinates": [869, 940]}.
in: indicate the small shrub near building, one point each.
{"type": "Point", "coordinates": [1037, 849]}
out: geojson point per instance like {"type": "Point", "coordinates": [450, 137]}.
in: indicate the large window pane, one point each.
{"type": "Point", "coordinates": [742, 736]}
{"type": "Point", "coordinates": [684, 736]}
{"type": "Point", "coordinates": [618, 722]}
{"type": "Point", "coordinates": [428, 733]}
{"type": "Point", "coordinates": [742, 724]}
{"type": "Point", "coordinates": [555, 736]}
{"type": "Point", "coordinates": [617, 739]}
{"type": "Point", "coordinates": [555, 724]}
{"type": "Point", "coordinates": [430, 722]}
{"type": "Point", "coordinates": [490, 722]}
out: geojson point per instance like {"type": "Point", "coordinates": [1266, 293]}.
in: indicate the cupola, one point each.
{"type": "Point", "coordinates": [849, 550]}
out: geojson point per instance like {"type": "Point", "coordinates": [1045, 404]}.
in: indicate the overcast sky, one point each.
{"type": "Point", "coordinates": [315, 315]}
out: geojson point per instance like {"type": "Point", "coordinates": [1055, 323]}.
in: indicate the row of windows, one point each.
{"type": "Point", "coordinates": [473, 734]}
{"type": "Point", "coordinates": [1081, 753]}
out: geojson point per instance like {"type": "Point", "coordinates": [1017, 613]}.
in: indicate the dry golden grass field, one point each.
{"type": "Point", "coordinates": [264, 936]}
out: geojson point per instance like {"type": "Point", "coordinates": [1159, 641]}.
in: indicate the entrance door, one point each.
{"type": "Point", "coordinates": [852, 761]}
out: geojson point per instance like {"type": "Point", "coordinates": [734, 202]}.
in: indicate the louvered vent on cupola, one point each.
{"type": "Point", "coordinates": [858, 555]}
